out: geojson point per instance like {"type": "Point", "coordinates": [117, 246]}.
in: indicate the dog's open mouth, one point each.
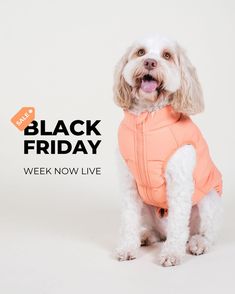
{"type": "Point", "coordinates": [149, 84]}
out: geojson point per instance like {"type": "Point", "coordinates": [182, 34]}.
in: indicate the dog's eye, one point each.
{"type": "Point", "coordinates": [166, 55]}
{"type": "Point", "coordinates": [140, 52]}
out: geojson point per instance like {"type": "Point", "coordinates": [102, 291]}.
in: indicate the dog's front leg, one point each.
{"type": "Point", "coordinates": [129, 239]}
{"type": "Point", "coordinates": [210, 213]}
{"type": "Point", "coordinates": [180, 188]}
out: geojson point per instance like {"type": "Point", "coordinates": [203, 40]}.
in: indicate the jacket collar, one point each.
{"type": "Point", "coordinates": [152, 120]}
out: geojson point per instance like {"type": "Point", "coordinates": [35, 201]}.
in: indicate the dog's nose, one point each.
{"type": "Point", "coordinates": [150, 63]}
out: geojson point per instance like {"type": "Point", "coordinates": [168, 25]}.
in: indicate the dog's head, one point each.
{"type": "Point", "coordinates": [155, 67]}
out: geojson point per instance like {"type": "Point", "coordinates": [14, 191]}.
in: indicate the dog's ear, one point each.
{"type": "Point", "coordinates": [189, 98]}
{"type": "Point", "coordinates": [121, 89]}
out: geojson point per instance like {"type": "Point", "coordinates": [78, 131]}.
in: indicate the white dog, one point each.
{"type": "Point", "coordinates": [155, 75]}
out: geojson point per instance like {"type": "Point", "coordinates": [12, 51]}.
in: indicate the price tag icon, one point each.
{"type": "Point", "coordinates": [23, 117]}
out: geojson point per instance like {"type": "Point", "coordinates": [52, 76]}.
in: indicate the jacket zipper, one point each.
{"type": "Point", "coordinates": [141, 157]}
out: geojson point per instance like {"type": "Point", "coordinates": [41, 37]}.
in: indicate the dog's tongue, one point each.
{"type": "Point", "coordinates": [149, 86]}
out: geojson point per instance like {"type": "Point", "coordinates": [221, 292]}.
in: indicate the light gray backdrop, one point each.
{"type": "Point", "coordinates": [57, 233]}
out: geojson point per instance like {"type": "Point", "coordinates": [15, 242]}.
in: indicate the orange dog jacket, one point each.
{"type": "Point", "coordinates": [146, 143]}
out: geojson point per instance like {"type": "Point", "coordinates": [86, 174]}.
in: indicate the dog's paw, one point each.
{"type": "Point", "coordinates": [198, 245]}
{"type": "Point", "coordinates": [170, 259]}
{"type": "Point", "coordinates": [126, 254]}
{"type": "Point", "coordinates": [127, 248]}
{"type": "Point", "coordinates": [171, 254]}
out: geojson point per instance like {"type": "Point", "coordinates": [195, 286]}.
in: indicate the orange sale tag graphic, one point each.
{"type": "Point", "coordinates": [23, 117]}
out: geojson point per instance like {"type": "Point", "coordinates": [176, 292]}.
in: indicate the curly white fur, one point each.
{"type": "Point", "coordinates": [140, 222]}
{"type": "Point", "coordinates": [180, 188]}
{"type": "Point", "coordinates": [141, 225]}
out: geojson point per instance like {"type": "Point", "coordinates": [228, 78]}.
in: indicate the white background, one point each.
{"type": "Point", "coordinates": [57, 234]}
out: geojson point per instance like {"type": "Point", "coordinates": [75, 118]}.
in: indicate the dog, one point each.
{"type": "Point", "coordinates": [171, 188]}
